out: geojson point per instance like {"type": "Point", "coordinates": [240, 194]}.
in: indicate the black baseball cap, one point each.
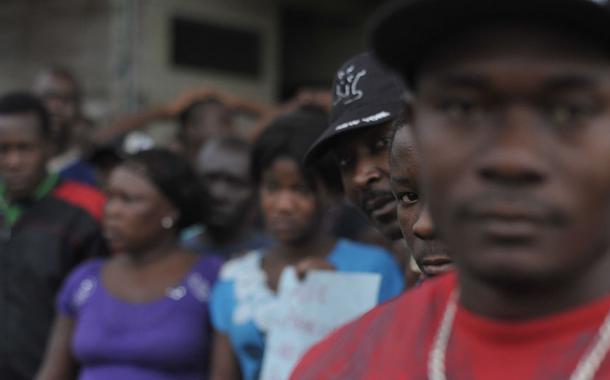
{"type": "Point", "coordinates": [402, 32]}
{"type": "Point", "coordinates": [364, 94]}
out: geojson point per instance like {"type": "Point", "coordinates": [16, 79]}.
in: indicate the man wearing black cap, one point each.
{"type": "Point", "coordinates": [366, 99]}
{"type": "Point", "coordinates": [512, 118]}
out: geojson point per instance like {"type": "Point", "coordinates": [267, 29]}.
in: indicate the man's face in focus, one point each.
{"type": "Point", "coordinates": [415, 223]}
{"type": "Point", "coordinates": [514, 130]}
{"type": "Point", "coordinates": [363, 160]}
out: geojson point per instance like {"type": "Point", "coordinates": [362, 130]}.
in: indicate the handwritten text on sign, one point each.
{"type": "Point", "coordinates": [309, 310]}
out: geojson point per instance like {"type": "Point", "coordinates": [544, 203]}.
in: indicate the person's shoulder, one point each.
{"type": "Point", "coordinates": [79, 171]}
{"type": "Point", "coordinates": [351, 253]}
{"type": "Point", "coordinates": [209, 266]}
{"type": "Point", "coordinates": [240, 266]}
{"type": "Point", "coordinates": [88, 269]}
{"type": "Point", "coordinates": [350, 247]}
{"type": "Point", "coordinates": [82, 196]}
{"type": "Point", "coordinates": [211, 260]}
{"type": "Point", "coordinates": [79, 286]}
{"type": "Point", "coordinates": [380, 338]}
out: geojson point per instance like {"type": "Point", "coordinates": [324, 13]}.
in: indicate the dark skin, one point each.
{"type": "Point", "coordinates": [363, 158]}
{"type": "Point", "coordinates": [413, 216]}
{"type": "Point", "coordinates": [206, 121]}
{"type": "Point", "coordinates": [150, 262]}
{"type": "Point", "coordinates": [23, 155]}
{"type": "Point", "coordinates": [293, 213]}
{"type": "Point", "coordinates": [225, 176]}
{"type": "Point", "coordinates": [522, 198]}
{"type": "Point", "coordinates": [60, 95]}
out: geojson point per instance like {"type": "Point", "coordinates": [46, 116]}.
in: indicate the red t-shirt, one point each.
{"type": "Point", "coordinates": [82, 195]}
{"type": "Point", "coordinates": [393, 341]}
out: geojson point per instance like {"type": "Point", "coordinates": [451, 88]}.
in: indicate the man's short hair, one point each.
{"type": "Point", "coordinates": [15, 103]}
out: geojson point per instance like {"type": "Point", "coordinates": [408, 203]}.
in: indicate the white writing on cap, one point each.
{"type": "Point", "coordinates": [375, 117]}
{"type": "Point", "coordinates": [347, 90]}
{"type": "Point", "coordinates": [367, 119]}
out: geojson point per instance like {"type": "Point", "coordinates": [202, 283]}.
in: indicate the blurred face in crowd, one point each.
{"type": "Point", "coordinates": [290, 207]}
{"type": "Point", "coordinates": [23, 154]}
{"type": "Point", "coordinates": [225, 176]}
{"type": "Point", "coordinates": [514, 130]}
{"type": "Point", "coordinates": [206, 120]}
{"type": "Point", "coordinates": [82, 129]}
{"type": "Point", "coordinates": [364, 164]}
{"type": "Point", "coordinates": [415, 223]}
{"type": "Point", "coordinates": [134, 210]}
{"type": "Point", "coordinates": [60, 96]}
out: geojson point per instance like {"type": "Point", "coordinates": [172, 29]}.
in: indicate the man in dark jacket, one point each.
{"type": "Point", "coordinates": [47, 227]}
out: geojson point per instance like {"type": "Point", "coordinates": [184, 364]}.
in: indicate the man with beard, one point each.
{"type": "Point", "coordinates": [511, 116]}
{"type": "Point", "coordinates": [365, 101]}
{"type": "Point", "coordinates": [223, 164]}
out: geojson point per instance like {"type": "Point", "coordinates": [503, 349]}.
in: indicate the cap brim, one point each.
{"type": "Point", "coordinates": [323, 144]}
{"type": "Point", "coordinates": [402, 32]}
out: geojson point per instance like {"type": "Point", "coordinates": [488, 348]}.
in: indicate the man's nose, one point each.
{"type": "Point", "coordinates": [513, 154]}
{"type": "Point", "coordinates": [366, 171]}
{"type": "Point", "coordinates": [13, 158]}
{"type": "Point", "coordinates": [423, 227]}
{"type": "Point", "coordinates": [220, 189]}
{"type": "Point", "coordinates": [284, 201]}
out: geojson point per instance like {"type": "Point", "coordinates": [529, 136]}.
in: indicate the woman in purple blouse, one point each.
{"type": "Point", "coordinates": [143, 314]}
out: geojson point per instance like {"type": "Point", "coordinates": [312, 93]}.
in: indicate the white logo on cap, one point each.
{"type": "Point", "coordinates": [369, 119]}
{"type": "Point", "coordinates": [347, 90]}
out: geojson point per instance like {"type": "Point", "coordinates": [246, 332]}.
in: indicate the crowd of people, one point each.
{"type": "Point", "coordinates": [461, 162]}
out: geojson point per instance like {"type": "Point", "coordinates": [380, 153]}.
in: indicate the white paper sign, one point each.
{"type": "Point", "coordinates": [309, 310]}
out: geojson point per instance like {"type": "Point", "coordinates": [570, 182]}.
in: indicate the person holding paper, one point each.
{"type": "Point", "coordinates": [293, 201]}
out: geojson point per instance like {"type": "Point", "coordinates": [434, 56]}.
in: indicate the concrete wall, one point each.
{"type": "Point", "coordinates": [120, 49]}
{"type": "Point", "coordinates": [158, 80]}
{"type": "Point", "coordinates": [67, 32]}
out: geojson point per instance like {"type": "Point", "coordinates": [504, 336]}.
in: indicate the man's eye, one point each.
{"type": "Point", "coordinates": [461, 109]}
{"type": "Point", "coordinates": [270, 186]}
{"type": "Point", "coordinates": [382, 143]}
{"type": "Point", "coordinates": [303, 189]}
{"type": "Point", "coordinates": [408, 197]}
{"type": "Point", "coordinates": [570, 114]}
{"type": "Point", "coordinates": [345, 162]}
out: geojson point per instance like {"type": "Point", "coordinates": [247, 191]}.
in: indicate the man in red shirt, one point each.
{"type": "Point", "coordinates": [511, 115]}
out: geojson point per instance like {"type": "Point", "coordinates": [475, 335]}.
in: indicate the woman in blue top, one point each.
{"type": "Point", "coordinates": [293, 200]}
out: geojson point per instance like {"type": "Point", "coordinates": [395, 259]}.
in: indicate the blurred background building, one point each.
{"type": "Point", "coordinates": [131, 54]}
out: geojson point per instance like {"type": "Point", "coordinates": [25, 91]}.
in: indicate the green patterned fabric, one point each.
{"type": "Point", "coordinates": [12, 211]}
